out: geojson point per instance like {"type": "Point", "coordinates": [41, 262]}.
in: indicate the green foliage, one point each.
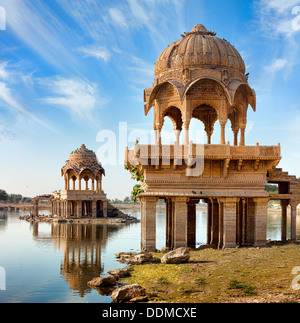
{"type": "Point", "coordinates": [3, 196]}
{"type": "Point", "coordinates": [135, 192]}
{"type": "Point", "coordinates": [14, 198]}
{"type": "Point", "coordinates": [137, 175]}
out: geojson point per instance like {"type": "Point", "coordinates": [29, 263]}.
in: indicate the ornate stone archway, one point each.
{"type": "Point", "coordinates": [37, 200]}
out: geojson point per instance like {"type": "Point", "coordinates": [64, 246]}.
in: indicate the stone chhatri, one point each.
{"type": "Point", "coordinates": [202, 77]}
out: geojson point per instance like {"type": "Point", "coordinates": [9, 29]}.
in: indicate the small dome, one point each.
{"type": "Point", "coordinates": [83, 159]}
{"type": "Point", "coordinates": [197, 49]}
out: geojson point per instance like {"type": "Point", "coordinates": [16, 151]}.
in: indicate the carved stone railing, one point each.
{"type": "Point", "coordinates": [146, 152]}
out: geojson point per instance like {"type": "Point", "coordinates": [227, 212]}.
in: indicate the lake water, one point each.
{"type": "Point", "coordinates": [44, 263]}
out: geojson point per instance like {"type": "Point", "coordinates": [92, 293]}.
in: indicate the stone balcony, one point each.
{"type": "Point", "coordinates": [142, 154]}
{"type": "Point", "coordinates": [83, 195]}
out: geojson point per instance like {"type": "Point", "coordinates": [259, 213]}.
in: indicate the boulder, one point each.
{"type": "Point", "coordinates": [119, 273]}
{"type": "Point", "coordinates": [125, 254]}
{"type": "Point", "coordinates": [126, 293]}
{"type": "Point", "coordinates": [178, 256]}
{"type": "Point", "coordinates": [142, 258]}
{"type": "Point", "coordinates": [102, 281]}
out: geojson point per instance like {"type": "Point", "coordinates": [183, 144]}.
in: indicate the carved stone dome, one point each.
{"type": "Point", "coordinates": [200, 48]}
{"type": "Point", "coordinates": [83, 159]}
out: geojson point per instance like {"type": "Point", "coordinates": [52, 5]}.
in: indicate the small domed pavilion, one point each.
{"type": "Point", "coordinates": [83, 195]}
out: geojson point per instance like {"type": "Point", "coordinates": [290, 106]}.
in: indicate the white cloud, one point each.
{"type": "Point", "coordinates": [280, 5]}
{"type": "Point", "coordinates": [277, 65]}
{"type": "Point", "coordinates": [9, 98]}
{"type": "Point", "coordinates": [41, 30]}
{"type": "Point", "coordinates": [118, 17]}
{"type": "Point", "coordinates": [78, 97]}
{"type": "Point", "coordinates": [278, 17]}
{"type": "Point", "coordinates": [97, 52]}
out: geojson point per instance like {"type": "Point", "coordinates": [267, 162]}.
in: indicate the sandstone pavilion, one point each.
{"type": "Point", "coordinates": [203, 77]}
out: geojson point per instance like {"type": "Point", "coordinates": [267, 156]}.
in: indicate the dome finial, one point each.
{"type": "Point", "coordinates": [200, 30]}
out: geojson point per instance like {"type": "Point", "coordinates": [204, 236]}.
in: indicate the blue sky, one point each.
{"type": "Point", "coordinates": [72, 68]}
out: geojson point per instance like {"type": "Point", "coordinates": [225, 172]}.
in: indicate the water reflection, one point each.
{"type": "Point", "coordinates": [81, 246]}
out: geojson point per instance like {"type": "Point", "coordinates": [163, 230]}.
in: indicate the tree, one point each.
{"type": "Point", "coordinates": [3, 196]}
{"type": "Point", "coordinates": [137, 175]}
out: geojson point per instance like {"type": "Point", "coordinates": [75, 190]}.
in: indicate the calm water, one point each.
{"type": "Point", "coordinates": [46, 263]}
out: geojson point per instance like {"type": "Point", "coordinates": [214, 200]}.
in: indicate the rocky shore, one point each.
{"type": "Point", "coordinates": [120, 292]}
{"type": "Point", "coordinates": [45, 219]}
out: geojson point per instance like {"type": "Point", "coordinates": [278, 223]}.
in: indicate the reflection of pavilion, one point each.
{"type": "Point", "coordinates": [81, 245]}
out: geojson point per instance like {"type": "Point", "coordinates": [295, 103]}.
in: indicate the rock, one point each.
{"type": "Point", "coordinates": [178, 256]}
{"type": "Point", "coordinates": [143, 258]}
{"type": "Point", "coordinates": [102, 281]}
{"type": "Point", "coordinates": [119, 273]}
{"type": "Point", "coordinates": [126, 293]}
{"type": "Point", "coordinates": [125, 254]}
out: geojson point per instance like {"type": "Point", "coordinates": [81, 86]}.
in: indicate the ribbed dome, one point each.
{"type": "Point", "coordinates": [83, 159]}
{"type": "Point", "coordinates": [200, 48]}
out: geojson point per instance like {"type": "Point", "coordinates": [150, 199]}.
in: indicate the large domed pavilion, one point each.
{"type": "Point", "coordinates": [203, 77]}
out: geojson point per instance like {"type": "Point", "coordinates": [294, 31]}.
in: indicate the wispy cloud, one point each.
{"type": "Point", "coordinates": [276, 19]}
{"type": "Point", "coordinates": [98, 52]}
{"type": "Point", "coordinates": [8, 96]}
{"type": "Point", "coordinates": [40, 29]}
{"type": "Point", "coordinates": [118, 17]}
{"type": "Point", "coordinates": [78, 97]}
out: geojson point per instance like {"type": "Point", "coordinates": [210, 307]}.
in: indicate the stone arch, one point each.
{"type": "Point", "coordinates": [151, 95]}
{"type": "Point", "coordinates": [221, 88]}
{"type": "Point", "coordinates": [175, 115]}
{"type": "Point", "coordinates": [208, 116]}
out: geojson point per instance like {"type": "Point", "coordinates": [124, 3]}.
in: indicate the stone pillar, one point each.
{"type": "Point", "coordinates": [293, 205]}
{"type": "Point", "coordinates": [223, 125]}
{"type": "Point", "coordinates": [242, 142]}
{"type": "Point", "coordinates": [221, 224]}
{"type": "Point", "coordinates": [260, 221]}
{"type": "Point", "coordinates": [229, 222]}
{"type": "Point", "coordinates": [94, 209]}
{"type": "Point", "coordinates": [215, 223]}
{"type": "Point", "coordinates": [180, 222]}
{"type": "Point", "coordinates": [148, 223]}
{"type": "Point", "coordinates": [79, 184]}
{"type": "Point", "coordinates": [177, 137]}
{"type": "Point", "coordinates": [284, 205]}
{"type": "Point", "coordinates": [244, 222]}
{"type": "Point", "coordinates": [68, 208]}
{"type": "Point", "coordinates": [79, 209]}
{"type": "Point", "coordinates": [250, 221]}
